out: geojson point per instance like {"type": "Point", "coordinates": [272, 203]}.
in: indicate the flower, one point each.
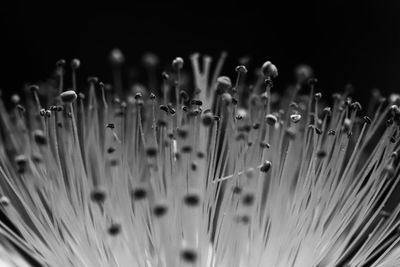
{"type": "Point", "coordinates": [226, 177]}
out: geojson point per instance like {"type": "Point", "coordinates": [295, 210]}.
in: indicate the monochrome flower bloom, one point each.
{"type": "Point", "coordinates": [221, 173]}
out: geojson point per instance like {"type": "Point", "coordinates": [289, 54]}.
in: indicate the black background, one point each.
{"type": "Point", "coordinates": [344, 42]}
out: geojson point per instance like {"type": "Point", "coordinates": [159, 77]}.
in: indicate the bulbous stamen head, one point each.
{"type": "Point", "coordinates": [264, 145]}
{"type": "Point", "coordinates": [248, 199]}
{"type": "Point", "coordinates": [269, 70]}
{"type": "Point", "coordinates": [241, 114]}
{"type": "Point", "coordinates": [295, 118]}
{"type": "Point", "coordinates": [4, 201]}
{"type": "Point", "coordinates": [114, 229]}
{"type": "Point", "coordinates": [192, 199]}
{"type": "Point", "coordinates": [302, 73]}
{"type": "Point", "coordinates": [150, 60]}
{"type": "Point", "coordinates": [21, 161]}
{"type": "Point", "coordinates": [60, 63]}
{"type": "Point", "coordinates": [187, 149]}
{"type": "Point", "coordinates": [321, 153]}
{"type": "Point", "coordinates": [356, 106]}
{"type": "Point", "coordinates": [139, 194]}
{"type": "Point", "coordinates": [68, 96]}
{"type": "Point", "coordinates": [271, 119]}
{"type": "Point", "coordinates": [327, 111]}
{"type": "Point", "coordinates": [151, 151]}
{"type": "Point", "coordinates": [75, 63]}
{"type": "Point", "coordinates": [266, 166]}
{"type": "Point", "coordinates": [226, 98]}
{"type": "Point", "coordinates": [98, 194]}
{"type": "Point", "coordinates": [241, 69]}
{"type": "Point", "coordinates": [182, 132]}
{"type": "Point", "coordinates": [237, 190]}
{"type": "Point", "coordinates": [39, 137]}
{"type": "Point", "coordinates": [15, 99]}
{"type": "Point", "coordinates": [42, 112]}
{"type": "Point", "coordinates": [224, 83]}
{"type": "Point", "coordinates": [317, 96]}
{"type": "Point", "coordinates": [312, 82]}
{"type": "Point", "coordinates": [160, 210]}
{"type": "Point", "coordinates": [116, 57]}
{"type": "Point", "coordinates": [189, 256]}
{"type": "Point", "coordinates": [177, 63]}
{"type": "Point", "coordinates": [34, 88]}
{"type": "Point", "coordinates": [93, 80]}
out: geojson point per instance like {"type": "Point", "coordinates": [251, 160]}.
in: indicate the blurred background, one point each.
{"type": "Point", "coordinates": [357, 43]}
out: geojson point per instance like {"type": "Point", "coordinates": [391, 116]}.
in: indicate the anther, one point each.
{"type": "Point", "coordinates": [241, 69]}
{"type": "Point", "coordinates": [367, 120]}
{"type": "Point", "coordinates": [191, 200]}
{"type": "Point", "coordinates": [207, 119]}
{"type": "Point", "coordinates": [317, 96]}
{"type": "Point", "coordinates": [150, 60]}
{"type": "Point", "coordinates": [356, 106]}
{"type": "Point", "coordinates": [237, 190]}
{"type": "Point", "coordinates": [264, 145]}
{"type": "Point", "coordinates": [138, 96]}
{"type": "Point", "coordinates": [200, 154]}
{"type": "Point", "coordinates": [196, 102]}
{"type": "Point", "coordinates": [151, 151]}
{"type": "Point", "coordinates": [321, 154]}
{"type": "Point", "coordinates": [271, 119]}
{"type": "Point", "coordinates": [93, 80]}
{"type": "Point", "coordinates": [177, 63]}
{"type": "Point", "coordinates": [98, 194]}
{"type": "Point", "coordinates": [327, 111]}
{"type": "Point", "coordinates": [114, 229]}
{"type": "Point", "coordinates": [15, 99]}
{"type": "Point", "coordinates": [165, 76]}
{"type": "Point", "coordinates": [295, 118]}
{"type": "Point", "coordinates": [312, 81]}
{"type": "Point", "coordinates": [39, 137]}
{"type": "Point", "coordinates": [116, 57]}
{"type": "Point", "coordinates": [223, 84]}
{"type": "Point", "coordinates": [60, 63]}
{"type": "Point", "coordinates": [269, 70]}
{"type": "Point", "coordinates": [164, 108]}
{"type": "Point", "coordinates": [34, 88]}
{"type": "Point", "coordinates": [318, 131]}
{"type": "Point", "coordinates": [183, 95]}
{"type": "Point", "coordinates": [68, 96]}
{"type": "Point", "coordinates": [266, 166]}
{"type": "Point", "coordinates": [182, 132]}
{"type": "Point", "coordinates": [248, 199]}
{"type": "Point", "coordinates": [186, 149]}
{"type": "Point", "coordinates": [160, 210]}
{"type": "Point", "coordinates": [110, 150]}
{"type": "Point", "coordinates": [226, 98]}
{"type": "Point", "coordinates": [189, 256]}
{"type": "Point", "coordinates": [75, 63]}
{"type": "Point", "coordinates": [4, 201]}
{"type": "Point", "coordinates": [138, 194]}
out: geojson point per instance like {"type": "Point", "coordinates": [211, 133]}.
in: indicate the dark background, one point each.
{"type": "Point", "coordinates": [344, 42]}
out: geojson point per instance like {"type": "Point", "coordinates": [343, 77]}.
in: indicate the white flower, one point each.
{"type": "Point", "coordinates": [100, 181]}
